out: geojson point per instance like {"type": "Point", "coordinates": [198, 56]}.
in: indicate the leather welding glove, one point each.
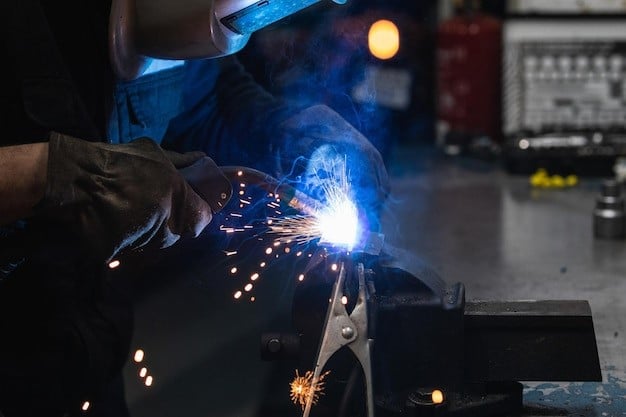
{"type": "Point", "coordinates": [328, 145]}
{"type": "Point", "coordinates": [114, 198]}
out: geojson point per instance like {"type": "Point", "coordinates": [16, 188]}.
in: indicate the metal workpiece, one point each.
{"type": "Point", "coordinates": [608, 214]}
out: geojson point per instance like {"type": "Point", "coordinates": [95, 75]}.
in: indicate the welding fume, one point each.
{"type": "Point", "coordinates": [117, 117]}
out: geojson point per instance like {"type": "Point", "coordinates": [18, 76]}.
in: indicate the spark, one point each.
{"type": "Point", "coordinates": [300, 229]}
{"type": "Point", "coordinates": [344, 300]}
{"type": "Point", "coordinates": [233, 270]}
{"type": "Point", "coordinates": [236, 215]}
{"type": "Point", "coordinates": [114, 264]}
{"type": "Point", "coordinates": [303, 387]}
{"type": "Point", "coordinates": [143, 372]}
{"type": "Point", "coordinates": [241, 192]}
{"type": "Point", "coordinates": [237, 295]}
{"type": "Point", "coordinates": [335, 223]}
{"type": "Point", "coordinates": [254, 276]}
{"type": "Point", "coordinates": [149, 381]}
{"type": "Point", "coordinates": [85, 406]}
{"type": "Point", "coordinates": [242, 185]}
{"type": "Point", "coordinates": [248, 287]}
{"type": "Point", "coordinates": [268, 251]}
{"type": "Point", "coordinates": [287, 250]}
{"type": "Point", "coordinates": [138, 357]}
{"type": "Point", "coordinates": [252, 299]}
{"type": "Point", "coordinates": [262, 264]}
{"type": "Point", "coordinates": [333, 267]}
{"type": "Point", "coordinates": [301, 277]}
{"type": "Point", "coordinates": [230, 253]}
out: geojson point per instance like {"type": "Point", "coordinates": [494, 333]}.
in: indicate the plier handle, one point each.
{"type": "Point", "coordinates": [343, 329]}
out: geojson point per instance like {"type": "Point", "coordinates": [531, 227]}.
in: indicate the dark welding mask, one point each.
{"type": "Point", "coordinates": [187, 29]}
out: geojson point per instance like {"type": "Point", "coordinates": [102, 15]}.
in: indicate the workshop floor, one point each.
{"type": "Point", "coordinates": [472, 223]}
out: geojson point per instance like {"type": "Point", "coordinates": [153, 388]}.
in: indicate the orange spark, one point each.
{"type": "Point", "coordinates": [302, 387]}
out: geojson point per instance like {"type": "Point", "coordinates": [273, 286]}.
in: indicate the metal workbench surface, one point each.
{"type": "Point", "coordinates": [505, 240]}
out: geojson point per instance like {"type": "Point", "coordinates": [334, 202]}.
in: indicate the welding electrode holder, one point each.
{"type": "Point", "coordinates": [290, 195]}
{"type": "Point", "coordinates": [608, 214]}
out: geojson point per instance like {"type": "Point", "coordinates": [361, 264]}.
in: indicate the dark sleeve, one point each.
{"type": "Point", "coordinates": [227, 115]}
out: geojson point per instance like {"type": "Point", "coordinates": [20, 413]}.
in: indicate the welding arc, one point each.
{"type": "Point", "coordinates": [295, 199]}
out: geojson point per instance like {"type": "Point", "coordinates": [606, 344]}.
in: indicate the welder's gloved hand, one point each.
{"type": "Point", "coordinates": [114, 198]}
{"type": "Point", "coordinates": [328, 145]}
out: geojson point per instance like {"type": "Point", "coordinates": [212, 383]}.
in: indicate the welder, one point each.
{"type": "Point", "coordinates": [103, 153]}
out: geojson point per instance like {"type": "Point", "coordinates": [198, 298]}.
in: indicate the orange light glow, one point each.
{"type": "Point", "coordinates": [383, 39]}
{"type": "Point", "coordinates": [437, 396]}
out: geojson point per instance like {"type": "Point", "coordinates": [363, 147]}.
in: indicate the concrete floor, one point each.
{"type": "Point", "coordinates": [471, 222]}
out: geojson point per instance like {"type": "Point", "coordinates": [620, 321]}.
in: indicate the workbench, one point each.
{"type": "Point", "coordinates": [505, 240]}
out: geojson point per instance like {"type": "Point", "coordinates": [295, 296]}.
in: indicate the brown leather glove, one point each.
{"type": "Point", "coordinates": [113, 198]}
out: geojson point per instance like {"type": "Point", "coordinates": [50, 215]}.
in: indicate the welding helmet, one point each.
{"type": "Point", "coordinates": [187, 29]}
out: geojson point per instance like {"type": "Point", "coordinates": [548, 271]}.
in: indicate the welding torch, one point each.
{"type": "Point", "coordinates": [294, 198]}
{"type": "Point", "coordinates": [369, 242]}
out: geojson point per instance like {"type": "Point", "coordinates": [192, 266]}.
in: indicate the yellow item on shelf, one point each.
{"type": "Point", "coordinates": [541, 179]}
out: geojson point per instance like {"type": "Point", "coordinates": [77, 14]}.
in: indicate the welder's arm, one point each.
{"type": "Point", "coordinates": [22, 179]}
{"type": "Point", "coordinates": [232, 118]}
{"type": "Point", "coordinates": [228, 115]}
{"type": "Point", "coordinates": [111, 198]}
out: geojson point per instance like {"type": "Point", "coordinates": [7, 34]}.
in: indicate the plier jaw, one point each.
{"type": "Point", "coordinates": [343, 329]}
